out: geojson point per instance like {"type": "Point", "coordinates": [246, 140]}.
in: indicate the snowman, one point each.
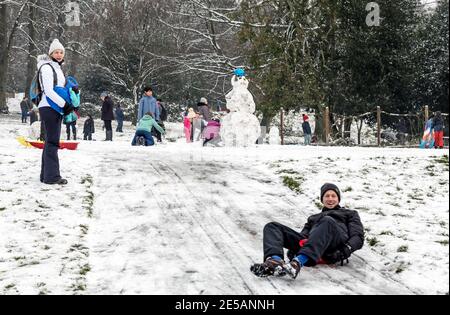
{"type": "Point", "coordinates": [274, 136]}
{"type": "Point", "coordinates": [240, 128]}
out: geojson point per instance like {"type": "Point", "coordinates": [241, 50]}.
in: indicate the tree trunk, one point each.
{"type": "Point", "coordinates": [347, 127]}
{"type": "Point", "coordinates": [319, 130]}
{"type": "Point", "coordinates": [266, 122]}
{"type": "Point", "coordinates": [3, 56]}
{"type": "Point", "coordinates": [32, 49]}
{"type": "Point", "coordinates": [136, 105]}
{"type": "Point", "coordinates": [360, 125]}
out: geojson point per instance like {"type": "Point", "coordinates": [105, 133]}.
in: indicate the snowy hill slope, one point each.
{"type": "Point", "coordinates": [182, 219]}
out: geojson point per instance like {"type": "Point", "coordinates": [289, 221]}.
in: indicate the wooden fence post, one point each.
{"type": "Point", "coordinates": [327, 125]}
{"type": "Point", "coordinates": [427, 113]}
{"type": "Point", "coordinates": [379, 125]}
{"type": "Point", "coordinates": [282, 126]}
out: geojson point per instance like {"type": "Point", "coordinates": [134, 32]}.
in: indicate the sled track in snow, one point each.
{"type": "Point", "coordinates": [385, 284]}
{"type": "Point", "coordinates": [204, 219]}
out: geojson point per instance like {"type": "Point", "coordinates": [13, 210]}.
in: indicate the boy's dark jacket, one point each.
{"type": "Point", "coordinates": [348, 221]}
{"type": "Point", "coordinates": [89, 126]}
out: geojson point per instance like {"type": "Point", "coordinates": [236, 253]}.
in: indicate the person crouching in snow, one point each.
{"type": "Point", "coordinates": [211, 133]}
{"type": "Point", "coordinates": [328, 237]}
{"type": "Point", "coordinates": [144, 129]}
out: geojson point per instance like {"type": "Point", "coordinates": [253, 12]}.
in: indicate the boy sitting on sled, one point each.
{"type": "Point", "coordinates": [328, 237]}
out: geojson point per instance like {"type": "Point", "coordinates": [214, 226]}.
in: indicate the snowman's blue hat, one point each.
{"type": "Point", "coordinates": [239, 72]}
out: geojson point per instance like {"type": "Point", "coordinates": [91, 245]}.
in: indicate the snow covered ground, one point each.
{"type": "Point", "coordinates": [182, 219]}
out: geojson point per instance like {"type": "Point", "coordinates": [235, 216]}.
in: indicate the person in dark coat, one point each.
{"type": "Point", "coordinates": [34, 114]}
{"type": "Point", "coordinates": [119, 117]}
{"type": "Point", "coordinates": [24, 108]}
{"type": "Point", "coordinates": [438, 127]}
{"type": "Point", "coordinates": [89, 128]}
{"type": "Point", "coordinates": [307, 133]}
{"type": "Point", "coordinates": [330, 236]}
{"type": "Point", "coordinates": [107, 115]}
{"type": "Point", "coordinates": [203, 110]}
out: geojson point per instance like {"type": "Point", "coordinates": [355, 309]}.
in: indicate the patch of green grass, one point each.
{"type": "Point", "coordinates": [292, 184]}
{"type": "Point", "coordinates": [79, 287]}
{"type": "Point", "coordinates": [444, 242]}
{"type": "Point", "coordinates": [6, 190]}
{"type": "Point", "coordinates": [348, 189]}
{"type": "Point", "coordinates": [42, 206]}
{"type": "Point", "coordinates": [387, 233]}
{"type": "Point", "coordinates": [84, 229]}
{"type": "Point", "coordinates": [403, 249]}
{"type": "Point", "coordinates": [88, 203]}
{"type": "Point", "coordinates": [87, 180]}
{"type": "Point", "coordinates": [85, 269]}
{"type": "Point", "coordinates": [17, 258]}
{"type": "Point", "coordinates": [373, 241]}
{"type": "Point", "coordinates": [400, 269]}
{"type": "Point", "coordinates": [10, 286]}
{"type": "Point", "coordinates": [443, 160]}
{"type": "Point", "coordinates": [443, 224]}
{"type": "Point", "coordinates": [415, 197]}
{"type": "Point", "coordinates": [2, 209]}
{"type": "Point", "coordinates": [288, 171]}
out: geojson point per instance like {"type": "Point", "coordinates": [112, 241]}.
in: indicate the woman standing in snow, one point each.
{"type": "Point", "coordinates": [50, 107]}
{"type": "Point", "coordinates": [107, 114]}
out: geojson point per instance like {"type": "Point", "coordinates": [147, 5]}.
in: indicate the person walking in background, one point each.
{"type": "Point", "coordinates": [88, 128]}
{"type": "Point", "coordinates": [107, 114]}
{"type": "Point", "coordinates": [51, 73]}
{"type": "Point", "coordinates": [307, 133]}
{"type": "Point", "coordinates": [438, 127]}
{"type": "Point", "coordinates": [24, 108]}
{"type": "Point", "coordinates": [119, 117]}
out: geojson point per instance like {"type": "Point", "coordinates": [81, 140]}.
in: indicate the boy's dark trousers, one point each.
{"type": "Point", "coordinates": [51, 121]}
{"type": "Point", "coordinates": [156, 133]}
{"type": "Point", "coordinates": [325, 237]}
{"type": "Point", "coordinates": [72, 125]}
{"type": "Point", "coordinates": [119, 126]}
{"type": "Point", "coordinates": [24, 117]}
{"type": "Point", "coordinates": [88, 136]}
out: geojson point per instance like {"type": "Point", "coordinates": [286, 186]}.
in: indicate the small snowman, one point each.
{"type": "Point", "coordinates": [274, 136]}
{"type": "Point", "coordinates": [240, 128]}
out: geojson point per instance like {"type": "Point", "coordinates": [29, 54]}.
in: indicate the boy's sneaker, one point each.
{"type": "Point", "coordinates": [293, 268]}
{"type": "Point", "coordinates": [141, 141]}
{"type": "Point", "coordinates": [271, 267]}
